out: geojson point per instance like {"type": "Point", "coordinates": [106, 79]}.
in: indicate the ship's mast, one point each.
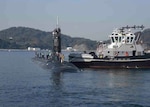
{"type": "Point", "coordinates": [57, 24]}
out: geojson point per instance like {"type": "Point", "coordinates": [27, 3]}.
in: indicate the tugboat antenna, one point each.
{"type": "Point", "coordinates": [134, 27]}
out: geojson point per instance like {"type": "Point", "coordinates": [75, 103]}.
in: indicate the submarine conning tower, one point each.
{"type": "Point", "coordinates": [57, 40]}
{"type": "Point", "coordinates": [56, 52]}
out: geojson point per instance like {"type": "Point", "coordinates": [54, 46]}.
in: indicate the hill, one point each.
{"type": "Point", "coordinates": [23, 37]}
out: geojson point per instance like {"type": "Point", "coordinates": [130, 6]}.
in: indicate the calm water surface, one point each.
{"type": "Point", "coordinates": [24, 83]}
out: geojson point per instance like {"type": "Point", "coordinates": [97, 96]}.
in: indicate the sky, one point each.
{"type": "Point", "coordinates": [91, 19]}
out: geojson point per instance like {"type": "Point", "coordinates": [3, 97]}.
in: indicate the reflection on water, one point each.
{"type": "Point", "coordinates": [56, 78]}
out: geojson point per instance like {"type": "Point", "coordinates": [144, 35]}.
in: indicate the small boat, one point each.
{"type": "Point", "coordinates": [124, 51]}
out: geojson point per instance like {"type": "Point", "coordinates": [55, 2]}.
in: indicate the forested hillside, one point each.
{"type": "Point", "coordinates": [23, 37]}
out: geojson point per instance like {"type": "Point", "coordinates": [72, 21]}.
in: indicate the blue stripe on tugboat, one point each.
{"type": "Point", "coordinates": [125, 51]}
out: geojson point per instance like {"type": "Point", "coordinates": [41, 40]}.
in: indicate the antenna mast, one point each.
{"type": "Point", "coordinates": [57, 24]}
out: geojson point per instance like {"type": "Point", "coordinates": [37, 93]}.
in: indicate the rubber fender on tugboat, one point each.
{"type": "Point", "coordinates": [93, 54]}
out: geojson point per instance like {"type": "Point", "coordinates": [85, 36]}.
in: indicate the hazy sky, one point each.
{"type": "Point", "coordinates": [93, 19]}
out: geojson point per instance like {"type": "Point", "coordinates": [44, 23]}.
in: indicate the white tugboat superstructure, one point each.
{"type": "Point", "coordinates": [123, 43]}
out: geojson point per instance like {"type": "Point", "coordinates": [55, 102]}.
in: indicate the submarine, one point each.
{"type": "Point", "coordinates": [55, 59]}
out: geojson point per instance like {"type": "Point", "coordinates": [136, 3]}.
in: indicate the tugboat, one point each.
{"type": "Point", "coordinates": [124, 51]}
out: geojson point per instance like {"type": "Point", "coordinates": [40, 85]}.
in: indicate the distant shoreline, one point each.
{"type": "Point", "coordinates": [9, 50]}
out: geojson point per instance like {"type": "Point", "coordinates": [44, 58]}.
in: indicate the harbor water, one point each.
{"type": "Point", "coordinates": [25, 83]}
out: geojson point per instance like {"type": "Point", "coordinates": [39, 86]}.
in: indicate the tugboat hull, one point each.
{"type": "Point", "coordinates": [98, 63]}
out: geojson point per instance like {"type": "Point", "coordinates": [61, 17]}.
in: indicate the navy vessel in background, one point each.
{"type": "Point", "coordinates": [124, 51]}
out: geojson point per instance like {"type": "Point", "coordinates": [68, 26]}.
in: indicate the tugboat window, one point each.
{"type": "Point", "coordinates": [131, 39]}
{"type": "Point", "coordinates": [112, 39]}
{"type": "Point", "coordinates": [119, 39]}
{"type": "Point", "coordinates": [127, 39]}
{"type": "Point", "coordinates": [116, 38]}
